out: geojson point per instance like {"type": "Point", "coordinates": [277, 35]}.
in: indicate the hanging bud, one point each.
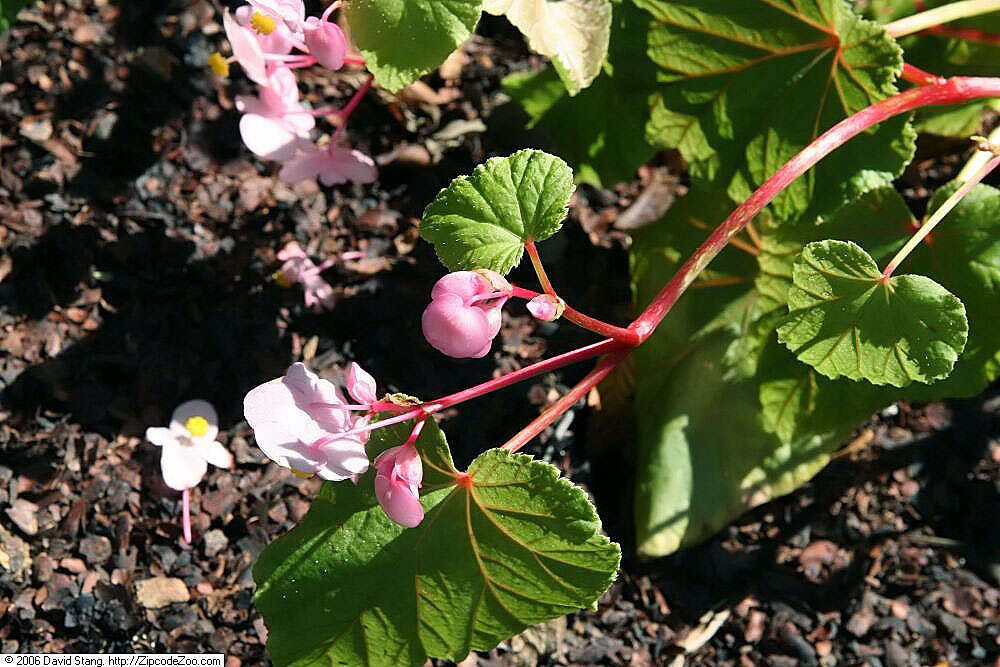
{"type": "Point", "coordinates": [326, 42]}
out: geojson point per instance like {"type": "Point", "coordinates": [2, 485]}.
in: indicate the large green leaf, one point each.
{"type": "Point", "coordinates": [8, 12]}
{"type": "Point", "coordinates": [572, 33]}
{"type": "Point", "coordinates": [844, 320]}
{"type": "Point", "coordinates": [482, 221]}
{"type": "Point", "coordinates": [748, 84]}
{"type": "Point", "coordinates": [511, 545]}
{"type": "Point", "coordinates": [695, 471]}
{"type": "Point", "coordinates": [601, 131]}
{"type": "Point", "coordinates": [404, 39]}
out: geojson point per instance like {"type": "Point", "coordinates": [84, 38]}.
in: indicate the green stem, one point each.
{"type": "Point", "coordinates": [938, 15]}
{"type": "Point", "coordinates": [939, 215]}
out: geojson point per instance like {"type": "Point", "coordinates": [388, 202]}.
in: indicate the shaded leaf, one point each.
{"type": "Point", "coordinates": [482, 221]}
{"type": "Point", "coordinates": [8, 12]}
{"type": "Point", "coordinates": [844, 320]}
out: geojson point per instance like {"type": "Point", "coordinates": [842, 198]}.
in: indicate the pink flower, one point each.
{"type": "Point", "coordinates": [275, 123]}
{"type": "Point", "coordinates": [246, 49]}
{"type": "Point", "coordinates": [189, 445]}
{"type": "Point", "coordinates": [300, 421]}
{"type": "Point", "coordinates": [326, 42]}
{"type": "Point", "coordinates": [464, 316]}
{"type": "Point", "coordinates": [331, 165]}
{"type": "Point", "coordinates": [298, 268]}
{"type": "Point", "coordinates": [278, 42]}
{"type": "Point", "coordinates": [398, 475]}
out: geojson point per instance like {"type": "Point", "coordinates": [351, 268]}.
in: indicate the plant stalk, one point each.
{"type": "Point", "coordinates": [943, 14]}
{"type": "Point", "coordinates": [953, 91]}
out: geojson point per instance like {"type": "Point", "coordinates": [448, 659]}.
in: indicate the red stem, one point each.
{"type": "Point", "coordinates": [919, 77]}
{"type": "Point", "coordinates": [536, 262]}
{"type": "Point", "coordinates": [959, 33]}
{"type": "Point", "coordinates": [554, 411]}
{"type": "Point", "coordinates": [186, 514]}
{"type": "Point", "coordinates": [952, 91]}
{"type": "Point", "coordinates": [345, 113]}
{"type": "Point", "coordinates": [620, 334]}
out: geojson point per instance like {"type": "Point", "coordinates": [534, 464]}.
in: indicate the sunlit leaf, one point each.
{"type": "Point", "coordinates": [572, 33]}
{"type": "Point", "coordinates": [845, 320]}
{"type": "Point", "coordinates": [482, 221]}
{"type": "Point", "coordinates": [404, 39]}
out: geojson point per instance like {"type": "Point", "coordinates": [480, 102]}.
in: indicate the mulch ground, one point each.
{"type": "Point", "coordinates": [138, 240]}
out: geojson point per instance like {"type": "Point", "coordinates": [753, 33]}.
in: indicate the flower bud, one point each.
{"type": "Point", "coordinates": [546, 307]}
{"type": "Point", "coordinates": [464, 316]}
{"type": "Point", "coordinates": [326, 42]}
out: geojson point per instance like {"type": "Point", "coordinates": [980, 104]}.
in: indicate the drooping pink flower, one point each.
{"type": "Point", "coordinates": [246, 49]}
{"type": "Point", "coordinates": [300, 420]}
{"type": "Point", "coordinates": [331, 165]}
{"type": "Point", "coordinates": [398, 476]}
{"type": "Point", "coordinates": [275, 123]}
{"type": "Point", "coordinates": [278, 41]}
{"type": "Point", "coordinates": [326, 42]}
{"type": "Point", "coordinates": [298, 268]}
{"type": "Point", "coordinates": [189, 445]}
{"type": "Point", "coordinates": [464, 315]}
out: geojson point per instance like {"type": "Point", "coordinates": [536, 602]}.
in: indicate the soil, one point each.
{"type": "Point", "coordinates": [138, 239]}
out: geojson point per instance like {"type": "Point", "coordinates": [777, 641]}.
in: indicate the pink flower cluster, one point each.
{"type": "Point", "coordinates": [303, 423]}
{"type": "Point", "coordinates": [275, 124]}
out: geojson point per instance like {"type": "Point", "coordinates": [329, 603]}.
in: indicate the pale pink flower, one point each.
{"type": "Point", "coordinates": [292, 12]}
{"type": "Point", "coordinates": [298, 268]}
{"type": "Point", "coordinates": [326, 42]}
{"type": "Point", "coordinates": [331, 165]}
{"type": "Point", "coordinates": [189, 445]}
{"type": "Point", "coordinates": [246, 49]}
{"type": "Point", "coordinates": [398, 476]}
{"type": "Point", "coordinates": [464, 315]}
{"type": "Point", "coordinates": [275, 123]}
{"type": "Point", "coordinates": [300, 421]}
{"type": "Point", "coordinates": [279, 42]}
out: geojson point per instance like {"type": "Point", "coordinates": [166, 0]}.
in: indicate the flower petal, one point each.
{"type": "Point", "coordinates": [195, 408]}
{"type": "Point", "coordinates": [399, 503]}
{"type": "Point", "coordinates": [182, 467]}
{"type": "Point", "coordinates": [160, 436]}
{"type": "Point", "coordinates": [361, 385]}
{"type": "Point", "coordinates": [215, 453]}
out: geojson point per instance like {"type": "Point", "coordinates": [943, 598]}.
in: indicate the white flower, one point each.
{"type": "Point", "coordinates": [189, 444]}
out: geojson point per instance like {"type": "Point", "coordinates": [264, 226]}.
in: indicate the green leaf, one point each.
{"type": "Point", "coordinates": [572, 33]}
{"type": "Point", "coordinates": [600, 132]}
{"type": "Point", "coordinates": [402, 40]}
{"type": "Point", "coordinates": [747, 85]}
{"type": "Point", "coordinates": [482, 221]}
{"type": "Point", "coordinates": [517, 546]}
{"type": "Point", "coordinates": [844, 320]}
{"type": "Point", "coordinates": [8, 12]}
{"type": "Point", "coordinates": [963, 254]}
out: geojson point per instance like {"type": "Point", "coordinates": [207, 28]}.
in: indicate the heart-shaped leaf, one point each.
{"type": "Point", "coordinates": [482, 221]}
{"type": "Point", "coordinates": [506, 546]}
{"type": "Point", "coordinates": [846, 320]}
{"type": "Point", "coordinates": [572, 33]}
{"type": "Point", "coordinates": [404, 39]}
{"type": "Point", "coordinates": [750, 83]}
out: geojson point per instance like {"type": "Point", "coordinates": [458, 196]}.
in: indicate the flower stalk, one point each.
{"type": "Point", "coordinates": [933, 18]}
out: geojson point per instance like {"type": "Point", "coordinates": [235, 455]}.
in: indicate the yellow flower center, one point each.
{"type": "Point", "coordinates": [197, 426]}
{"type": "Point", "coordinates": [265, 25]}
{"type": "Point", "coordinates": [280, 278]}
{"type": "Point", "coordinates": [220, 67]}
{"type": "Point", "coordinates": [301, 475]}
